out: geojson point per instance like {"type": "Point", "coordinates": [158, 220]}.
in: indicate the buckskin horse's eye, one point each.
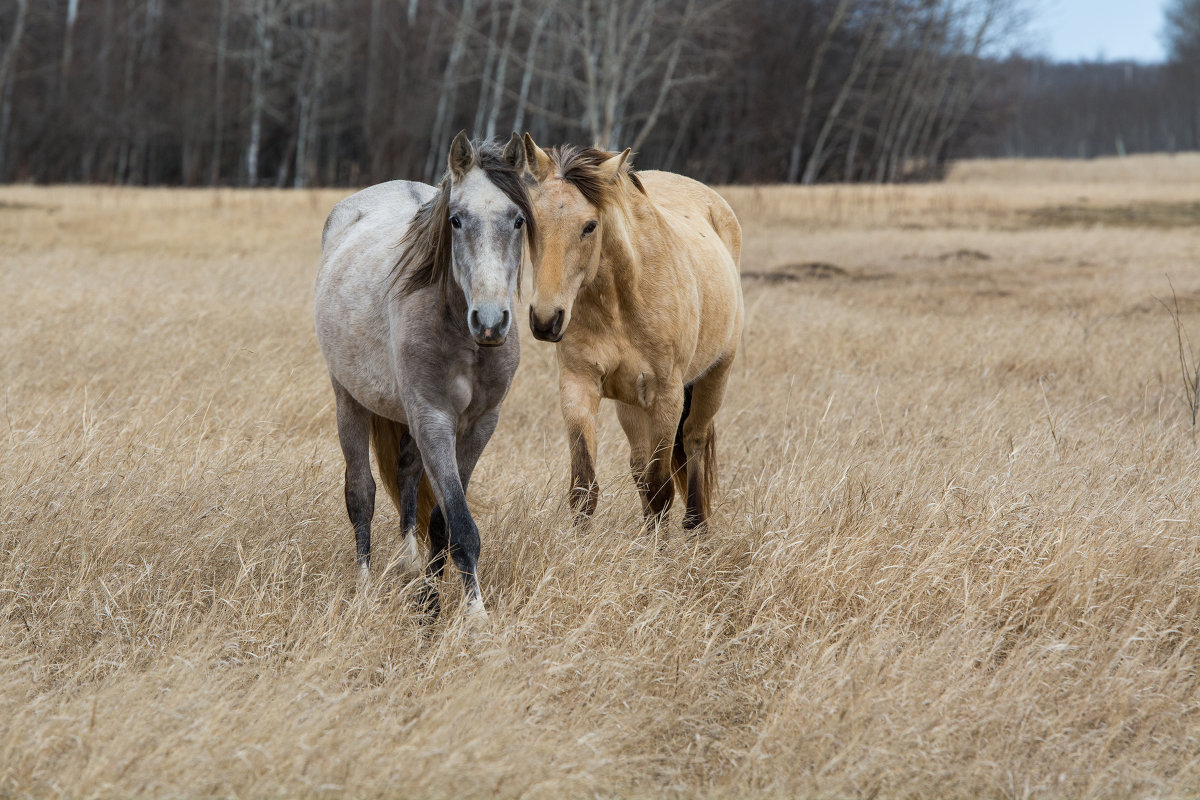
{"type": "Point", "coordinates": [455, 221]}
{"type": "Point", "coordinates": [520, 221]}
{"type": "Point", "coordinates": [587, 229]}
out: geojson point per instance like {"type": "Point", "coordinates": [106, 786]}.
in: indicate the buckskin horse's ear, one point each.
{"type": "Point", "coordinates": [461, 157]}
{"type": "Point", "coordinates": [514, 153]}
{"type": "Point", "coordinates": [612, 167]}
{"type": "Point", "coordinates": [536, 160]}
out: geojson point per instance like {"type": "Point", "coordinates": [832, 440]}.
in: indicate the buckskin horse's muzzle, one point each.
{"type": "Point", "coordinates": [550, 330]}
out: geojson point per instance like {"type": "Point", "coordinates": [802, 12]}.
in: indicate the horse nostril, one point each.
{"type": "Point", "coordinates": [558, 321]}
{"type": "Point", "coordinates": [475, 323]}
{"type": "Point", "coordinates": [504, 320]}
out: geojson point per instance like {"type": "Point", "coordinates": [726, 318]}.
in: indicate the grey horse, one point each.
{"type": "Point", "coordinates": [413, 315]}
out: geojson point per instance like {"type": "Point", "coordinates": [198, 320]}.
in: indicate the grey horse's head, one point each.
{"type": "Point", "coordinates": [489, 211]}
{"type": "Point", "coordinates": [473, 234]}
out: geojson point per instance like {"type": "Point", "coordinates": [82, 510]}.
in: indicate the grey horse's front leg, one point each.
{"type": "Point", "coordinates": [449, 462]}
{"type": "Point", "coordinates": [354, 434]}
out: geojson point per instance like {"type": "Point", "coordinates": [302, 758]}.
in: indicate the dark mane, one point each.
{"type": "Point", "coordinates": [580, 167]}
{"type": "Point", "coordinates": [425, 255]}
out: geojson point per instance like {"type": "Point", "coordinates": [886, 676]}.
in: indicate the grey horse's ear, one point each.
{"type": "Point", "coordinates": [514, 153]}
{"type": "Point", "coordinates": [462, 156]}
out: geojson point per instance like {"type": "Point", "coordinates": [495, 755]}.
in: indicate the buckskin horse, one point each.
{"type": "Point", "coordinates": [636, 277]}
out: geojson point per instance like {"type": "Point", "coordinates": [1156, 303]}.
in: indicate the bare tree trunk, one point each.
{"type": "Point", "coordinates": [497, 101]}
{"type": "Point", "coordinates": [810, 86]}
{"type": "Point", "coordinates": [919, 96]}
{"type": "Point", "coordinates": [660, 98]}
{"type": "Point", "coordinates": [868, 45]}
{"type": "Point", "coordinates": [374, 68]}
{"type": "Point", "coordinates": [218, 131]}
{"type": "Point", "coordinates": [7, 68]}
{"type": "Point", "coordinates": [308, 132]}
{"type": "Point", "coordinates": [865, 104]}
{"type": "Point", "coordinates": [262, 55]}
{"type": "Point", "coordinates": [489, 65]}
{"type": "Point", "coordinates": [64, 70]}
{"type": "Point", "coordinates": [305, 100]}
{"type": "Point", "coordinates": [683, 126]}
{"type": "Point", "coordinates": [901, 92]}
{"type": "Point", "coordinates": [438, 141]}
{"type": "Point", "coordinates": [527, 74]}
{"type": "Point", "coordinates": [591, 104]}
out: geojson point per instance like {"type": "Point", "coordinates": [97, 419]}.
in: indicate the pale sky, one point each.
{"type": "Point", "coordinates": [1071, 30]}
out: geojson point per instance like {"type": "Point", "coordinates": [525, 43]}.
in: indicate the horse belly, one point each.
{"type": "Point", "coordinates": [353, 337]}
{"type": "Point", "coordinates": [720, 317]}
{"type": "Point", "coordinates": [364, 368]}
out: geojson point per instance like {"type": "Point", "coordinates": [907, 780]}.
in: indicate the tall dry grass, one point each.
{"type": "Point", "coordinates": [955, 551]}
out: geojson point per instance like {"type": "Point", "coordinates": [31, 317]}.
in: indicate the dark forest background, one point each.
{"type": "Point", "coordinates": [350, 92]}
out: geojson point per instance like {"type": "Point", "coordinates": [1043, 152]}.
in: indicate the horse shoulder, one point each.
{"type": "Point", "coordinates": [351, 317]}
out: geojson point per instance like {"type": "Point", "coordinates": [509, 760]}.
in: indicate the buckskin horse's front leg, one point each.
{"type": "Point", "coordinates": [658, 479]}
{"type": "Point", "coordinates": [580, 396]}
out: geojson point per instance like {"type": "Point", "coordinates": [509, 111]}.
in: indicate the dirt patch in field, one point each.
{"type": "Point", "coordinates": [10, 205]}
{"type": "Point", "coordinates": [795, 273]}
{"type": "Point", "coordinates": [1133, 215]}
{"type": "Point", "coordinates": [965, 255]}
{"type": "Point", "coordinates": [1186, 303]}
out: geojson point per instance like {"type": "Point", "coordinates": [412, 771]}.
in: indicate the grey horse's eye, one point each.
{"type": "Point", "coordinates": [520, 221]}
{"type": "Point", "coordinates": [587, 229]}
{"type": "Point", "coordinates": [455, 221]}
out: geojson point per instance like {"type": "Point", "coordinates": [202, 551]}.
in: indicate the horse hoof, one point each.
{"type": "Point", "coordinates": [476, 615]}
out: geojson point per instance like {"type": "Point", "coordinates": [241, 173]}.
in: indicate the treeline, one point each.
{"type": "Point", "coordinates": [1090, 109]}
{"type": "Point", "coordinates": [349, 92]}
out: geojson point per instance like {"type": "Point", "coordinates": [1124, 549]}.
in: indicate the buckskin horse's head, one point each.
{"type": "Point", "coordinates": [575, 186]}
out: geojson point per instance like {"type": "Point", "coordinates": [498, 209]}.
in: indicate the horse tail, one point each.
{"type": "Point", "coordinates": [386, 436]}
{"type": "Point", "coordinates": [426, 502]}
{"type": "Point", "coordinates": [678, 454]}
{"type": "Point", "coordinates": [710, 468]}
{"type": "Point", "coordinates": [679, 460]}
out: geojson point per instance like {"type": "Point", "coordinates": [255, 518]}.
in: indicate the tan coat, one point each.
{"type": "Point", "coordinates": [646, 307]}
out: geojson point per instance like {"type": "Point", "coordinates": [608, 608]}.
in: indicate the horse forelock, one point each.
{"type": "Point", "coordinates": [581, 167]}
{"type": "Point", "coordinates": [425, 255]}
{"type": "Point", "coordinates": [511, 181]}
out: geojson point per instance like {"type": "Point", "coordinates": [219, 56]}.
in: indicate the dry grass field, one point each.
{"type": "Point", "coordinates": [956, 549]}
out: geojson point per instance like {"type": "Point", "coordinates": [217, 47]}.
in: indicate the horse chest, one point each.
{"type": "Point", "coordinates": [629, 382]}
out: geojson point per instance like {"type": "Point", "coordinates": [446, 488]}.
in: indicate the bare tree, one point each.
{"type": "Point", "coordinates": [8, 63]}
{"type": "Point", "coordinates": [810, 86]}
{"type": "Point", "coordinates": [304, 92]}
{"type": "Point", "coordinates": [447, 96]}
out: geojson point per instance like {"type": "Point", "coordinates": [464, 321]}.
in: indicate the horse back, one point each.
{"type": "Point", "coordinates": [392, 204]}
{"type": "Point", "coordinates": [690, 203]}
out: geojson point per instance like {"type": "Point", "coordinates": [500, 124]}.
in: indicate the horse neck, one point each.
{"type": "Point", "coordinates": [631, 232]}
{"type": "Point", "coordinates": [450, 309]}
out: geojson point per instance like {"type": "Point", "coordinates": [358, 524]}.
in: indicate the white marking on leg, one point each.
{"type": "Point", "coordinates": [412, 562]}
{"type": "Point", "coordinates": [476, 614]}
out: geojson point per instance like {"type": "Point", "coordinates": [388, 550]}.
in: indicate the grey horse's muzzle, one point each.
{"type": "Point", "coordinates": [489, 324]}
